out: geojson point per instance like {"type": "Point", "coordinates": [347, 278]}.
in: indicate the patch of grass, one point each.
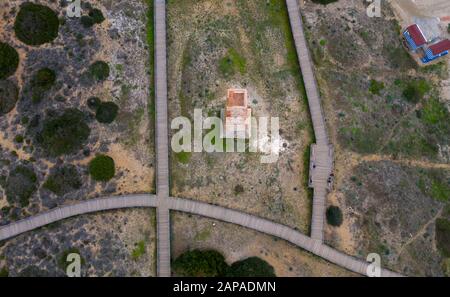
{"type": "Point", "coordinates": [443, 236]}
{"type": "Point", "coordinates": [64, 134]}
{"type": "Point", "coordinates": [63, 180]}
{"type": "Point", "coordinates": [9, 60]}
{"type": "Point", "coordinates": [36, 24]}
{"type": "Point", "coordinates": [183, 157]}
{"type": "Point", "coordinates": [203, 235]}
{"type": "Point", "coordinates": [415, 90]}
{"type": "Point", "coordinates": [376, 87]}
{"type": "Point", "coordinates": [9, 93]}
{"type": "Point", "coordinates": [231, 63]}
{"type": "Point", "coordinates": [138, 251]}
{"type": "Point", "coordinates": [334, 216]}
{"type": "Point", "coordinates": [99, 71]}
{"type": "Point", "coordinates": [106, 112]}
{"type": "Point", "coordinates": [102, 168]}
{"type": "Point", "coordinates": [20, 185]}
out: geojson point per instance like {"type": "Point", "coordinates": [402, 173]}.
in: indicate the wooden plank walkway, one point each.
{"type": "Point", "coordinates": [84, 207]}
{"type": "Point", "coordinates": [162, 145]}
{"type": "Point", "coordinates": [322, 152]}
{"type": "Point", "coordinates": [197, 208]}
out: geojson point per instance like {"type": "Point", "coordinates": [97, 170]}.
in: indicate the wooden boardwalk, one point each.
{"type": "Point", "coordinates": [321, 165]}
{"type": "Point", "coordinates": [162, 145]}
{"type": "Point", "coordinates": [197, 208]}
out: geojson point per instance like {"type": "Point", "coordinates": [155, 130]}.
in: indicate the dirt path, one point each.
{"type": "Point", "coordinates": [357, 159]}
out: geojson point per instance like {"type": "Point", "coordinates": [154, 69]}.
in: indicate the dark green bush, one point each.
{"type": "Point", "coordinates": [4, 272]}
{"type": "Point", "coordinates": [443, 236]}
{"type": "Point", "coordinates": [93, 103]}
{"type": "Point", "coordinates": [96, 15]}
{"type": "Point", "coordinates": [42, 82]}
{"type": "Point", "coordinates": [64, 134]}
{"type": "Point", "coordinates": [102, 168]}
{"type": "Point", "coordinates": [18, 138]}
{"type": "Point", "coordinates": [63, 180]}
{"type": "Point", "coordinates": [251, 267]}
{"type": "Point", "coordinates": [238, 189]}
{"type": "Point", "coordinates": [415, 90]}
{"type": "Point", "coordinates": [376, 87]}
{"type": "Point", "coordinates": [99, 71]}
{"type": "Point", "coordinates": [9, 94]}
{"type": "Point", "coordinates": [198, 263]}
{"type": "Point", "coordinates": [20, 185]}
{"type": "Point", "coordinates": [106, 112]}
{"type": "Point", "coordinates": [36, 24]}
{"type": "Point", "coordinates": [9, 60]}
{"type": "Point", "coordinates": [334, 216]}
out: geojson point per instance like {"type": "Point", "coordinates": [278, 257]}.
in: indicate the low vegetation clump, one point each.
{"type": "Point", "coordinates": [99, 71]}
{"type": "Point", "coordinates": [20, 185]}
{"type": "Point", "coordinates": [415, 90]}
{"type": "Point", "coordinates": [9, 60]}
{"type": "Point", "coordinates": [95, 16]}
{"type": "Point", "coordinates": [443, 236]}
{"type": "Point", "coordinates": [231, 63]}
{"type": "Point", "coordinates": [198, 263]}
{"type": "Point", "coordinates": [334, 216]}
{"type": "Point", "coordinates": [183, 157]}
{"type": "Point", "coordinates": [9, 94]}
{"type": "Point", "coordinates": [376, 87]}
{"type": "Point", "coordinates": [42, 82]}
{"type": "Point", "coordinates": [4, 272]}
{"type": "Point", "coordinates": [36, 24]}
{"type": "Point", "coordinates": [64, 134]}
{"type": "Point", "coordinates": [106, 112]}
{"type": "Point", "coordinates": [251, 267]}
{"type": "Point", "coordinates": [102, 168]}
{"type": "Point", "coordinates": [211, 263]}
{"type": "Point", "coordinates": [63, 180]}
{"type": "Point", "coordinates": [138, 251]}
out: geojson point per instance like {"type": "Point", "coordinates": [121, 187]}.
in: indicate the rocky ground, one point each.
{"type": "Point", "coordinates": [119, 243]}
{"type": "Point", "coordinates": [392, 162]}
{"type": "Point", "coordinates": [217, 45]}
{"type": "Point", "coordinates": [121, 42]}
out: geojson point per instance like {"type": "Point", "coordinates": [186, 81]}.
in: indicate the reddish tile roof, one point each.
{"type": "Point", "coordinates": [441, 46]}
{"type": "Point", "coordinates": [236, 98]}
{"type": "Point", "coordinates": [416, 34]}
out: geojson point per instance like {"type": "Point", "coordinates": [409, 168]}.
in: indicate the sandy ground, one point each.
{"type": "Point", "coordinates": [237, 243]}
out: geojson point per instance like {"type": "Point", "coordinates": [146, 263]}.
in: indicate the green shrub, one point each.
{"type": "Point", "coordinates": [96, 15]}
{"type": "Point", "coordinates": [102, 168]}
{"type": "Point", "coordinates": [106, 112]}
{"type": "Point", "coordinates": [9, 94]}
{"type": "Point", "coordinates": [20, 185]}
{"type": "Point", "coordinates": [251, 267]}
{"type": "Point", "coordinates": [138, 251]}
{"type": "Point", "coordinates": [238, 189]}
{"type": "Point", "coordinates": [415, 90]}
{"type": "Point", "coordinates": [183, 157]}
{"type": "Point", "coordinates": [42, 82]}
{"type": "Point", "coordinates": [93, 103]}
{"type": "Point", "coordinates": [443, 236]}
{"type": "Point", "coordinates": [99, 71]}
{"type": "Point", "coordinates": [9, 60]}
{"type": "Point", "coordinates": [63, 180]}
{"type": "Point", "coordinates": [36, 24]}
{"type": "Point", "coordinates": [376, 87]}
{"type": "Point", "coordinates": [18, 138]}
{"type": "Point", "coordinates": [198, 263]}
{"type": "Point", "coordinates": [87, 21]}
{"type": "Point", "coordinates": [231, 62]}
{"type": "Point", "coordinates": [4, 272]}
{"type": "Point", "coordinates": [64, 134]}
{"type": "Point", "coordinates": [334, 216]}
{"type": "Point", "coordinates": [62, 260]}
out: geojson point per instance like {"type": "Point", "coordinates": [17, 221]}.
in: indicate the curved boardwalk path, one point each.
{"type": "Point", "coordinates": [162, 148]}
{"type": "Point", "coordinates": [321, 165]}
{"type": "Point", "coordinates": [197, 208]}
